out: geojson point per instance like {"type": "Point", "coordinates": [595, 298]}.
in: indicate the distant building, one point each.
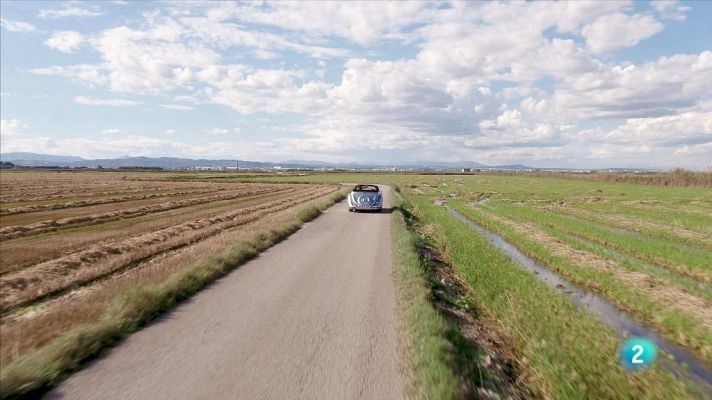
{"type": "Point", "coordinates": [466, 170]}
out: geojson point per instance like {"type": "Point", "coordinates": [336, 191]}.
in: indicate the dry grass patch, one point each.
{"type": "Point", "coordinates": [56, 275]}
{"type": "Point", "coordinates": [27, 251]}
{"type": "Point", "coordinates": [142, 195]}
{"type": "Point", "coordinates": [11, 232]}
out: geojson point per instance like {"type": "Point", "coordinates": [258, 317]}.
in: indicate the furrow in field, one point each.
{"type": "Point", "coordinates": [54, 276]}
{"type": "Point", "coordinates": [29, 251]}
{"type": "Point", "coordinates": [24, 252]}
{"type": "Point", "coordinates": [651, 287]}
{"type": "Point", "coordinates": [20, 192]}
{"type": "Point", "coordinates": [698, 221]}
{"type": "Point", "coordinates": [26, 329]}
{"type": "Point", "coordinates": [74, 193]}
{"type": "Point", "coordinates": [97, 201]}
{"type": "Point", "coordinates": [50, 191]}
{"type": "Point", "coordinates": [16, 231]}
{"type": "Point", "coordinates": [97, 209]}
{"type": "Point", "coordinates": [87, 193]}
{"type": "Point", "coordinates": [684, 260]}
{"type": "Point", "coordinates": [90, 192]}
{"type": "Point", "coordinates": [657, 230]}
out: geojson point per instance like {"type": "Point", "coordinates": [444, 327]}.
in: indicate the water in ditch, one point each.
{"type": "Point", "coordinates": [584, 299]}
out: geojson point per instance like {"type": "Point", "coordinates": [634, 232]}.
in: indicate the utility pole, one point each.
{"type": "Point", "coordinates": [237, 165]}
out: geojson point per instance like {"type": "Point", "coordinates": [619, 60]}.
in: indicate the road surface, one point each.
{"type": "Point", "coordinates": [311, 318]}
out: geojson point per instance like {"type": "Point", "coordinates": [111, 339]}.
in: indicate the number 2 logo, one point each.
{"type": "Point", "coordinates": [636, 357]}
{"type": "Point", "coordinates": [637, 353]}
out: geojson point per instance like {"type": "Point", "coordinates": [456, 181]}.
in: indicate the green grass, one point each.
{"type": "Point", "coordinates": [442, 358]}
{"type": "Point", "coordinates": [632, 263]}
{"type": "Point", "coordinates": [34, 373]}
{"type": "Point", "coordinates": [423, 328]}
{"type": "Point", "coordinates": [674, 324]}
{"type": "Point", "coordinates": [658, 230]}
{"type": "Point", "coordinates": [699, 221]}
{"type": "Point", "coordinates": [678, 257]}
{"type": "Point", "coordinates": [683, 259]}
{"type": "Point", "coordinates": [574, 354]}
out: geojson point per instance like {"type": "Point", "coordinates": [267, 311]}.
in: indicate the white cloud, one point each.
{"type": "Point", "coordinates": [223, 34]}
{"type": "Point", "coordinates": [65, 41]}
{"type": "Point", "coordinates": [504, 41]}
{"type": "Point", "coordinates": [619, 31]}
{"type": "Point", "coordinates": [365, 23]}
{"type": "Point", "coordinates": [178, 107]}
{"type": "Point", "coordinates": [91, 101]}
{"type": "Point", "coordinates": [68, 10]}
{"type": "Point", "coordinates": [687, 128]}
{"type": "Point", "coordinates": [11, 126]}
{"type": "Point", "coordinates": [128, 68]}
{"type": "Point", "coordinates": [16, 26]}
{"type": "Point", "coordinates": [271, 91]}
{"type": "Point", "coordinates": [698, 155]}
{"type": "Point", "coordinates": [656, 88]}
{"type": "Point", "coordinates": [90, 74]}
{"type": "Point", "coordinates": [671, 9]}
{"type": "Point", "coordinates": [222, 131]}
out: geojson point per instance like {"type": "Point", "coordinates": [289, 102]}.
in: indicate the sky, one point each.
{"type": "Point", "coordinates": [547, 84]}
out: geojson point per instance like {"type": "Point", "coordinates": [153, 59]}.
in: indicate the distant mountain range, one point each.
{"type": "Point", "coordinates": [48, 160]}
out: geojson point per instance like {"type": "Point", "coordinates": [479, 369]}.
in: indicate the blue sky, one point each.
{"type": "Point", "coordinates": [625, 84]}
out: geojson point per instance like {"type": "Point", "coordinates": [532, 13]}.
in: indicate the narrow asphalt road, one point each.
{"type": "Point", "coordinates": [311, 318]}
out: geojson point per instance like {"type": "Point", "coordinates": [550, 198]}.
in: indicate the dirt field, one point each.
{"type": "Point", "coordinates": [71, 242]}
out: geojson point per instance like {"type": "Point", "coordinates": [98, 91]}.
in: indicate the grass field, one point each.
{"type": "Point", "coordinates": [646, 248]}
{"type": "Point", "coordinates": [90, 257]}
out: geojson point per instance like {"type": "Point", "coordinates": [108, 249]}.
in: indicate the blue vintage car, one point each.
{"type": "Point", "coordinates": [365, 197]}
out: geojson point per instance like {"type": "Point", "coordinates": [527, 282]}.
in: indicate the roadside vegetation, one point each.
{"type": "Point", "coordinates": [451, 350]}
{"type": "Point", "coordinates": [79, 300]}
{"type": "Point", "coordinates": [423, 328]}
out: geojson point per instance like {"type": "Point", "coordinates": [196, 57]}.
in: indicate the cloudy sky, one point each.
{"type": "Point", "coordinates": [545, 84]}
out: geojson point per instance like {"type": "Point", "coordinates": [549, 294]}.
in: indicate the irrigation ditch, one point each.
{"type": "Point", "coordinates": [681, 362]}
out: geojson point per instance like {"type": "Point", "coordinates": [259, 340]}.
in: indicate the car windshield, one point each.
{"type": "Point", "coordinates": [366, 188]}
